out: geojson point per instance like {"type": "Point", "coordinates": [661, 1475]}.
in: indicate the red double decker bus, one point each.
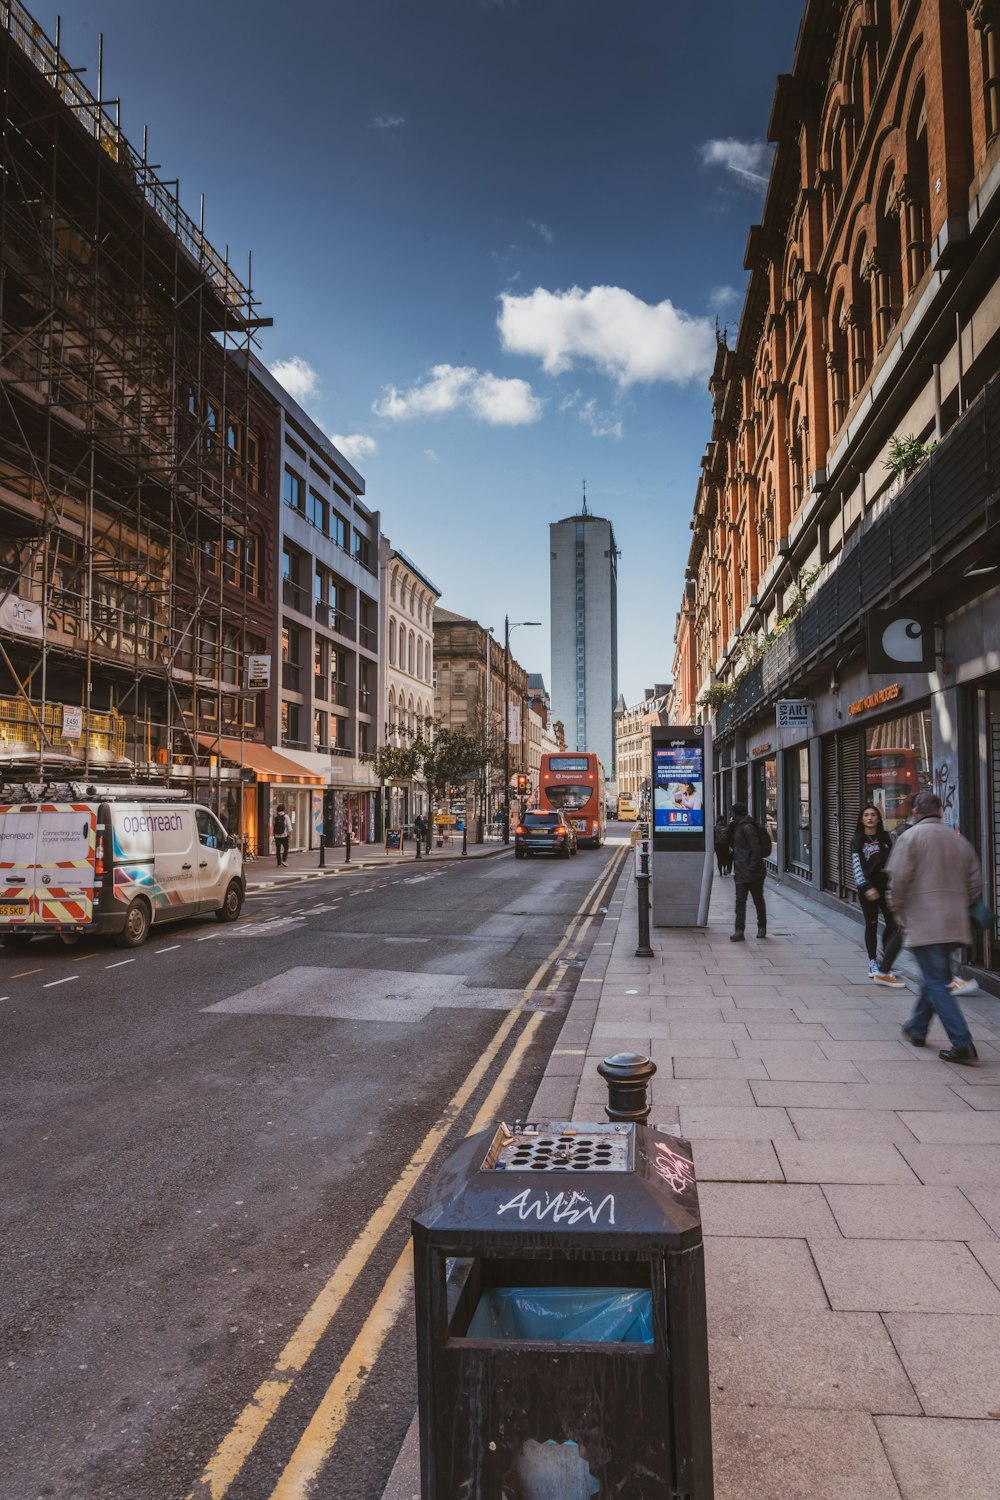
{"type": "Point", "coordinates": [573, 784]}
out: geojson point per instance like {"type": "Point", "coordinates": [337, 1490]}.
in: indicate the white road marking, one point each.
{"type": "Point", "coordinates": [53, 982]}
{"type": "Point", "coordinates": [210, 938]}
{"type": "Point", "coordinates": [120, 962]}
{"type": "Point", "coordinates": [172, 949]}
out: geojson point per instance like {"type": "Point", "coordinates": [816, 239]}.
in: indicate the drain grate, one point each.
{"type": "Point", "coordinates": [561, 1148]}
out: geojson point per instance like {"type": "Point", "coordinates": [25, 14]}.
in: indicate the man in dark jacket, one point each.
{"type": "Point", "coordinates": [750, 844]}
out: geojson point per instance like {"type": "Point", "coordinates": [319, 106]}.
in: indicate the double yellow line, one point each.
{"type": "Point", "coordinates": [320, 1436]}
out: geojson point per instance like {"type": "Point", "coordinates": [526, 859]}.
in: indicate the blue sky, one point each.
{"type": "Point", "coordinates": [494, 236]}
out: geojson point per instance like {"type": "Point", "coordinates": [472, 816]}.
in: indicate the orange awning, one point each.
{"type": "Point", "coordinates": [265, 763]}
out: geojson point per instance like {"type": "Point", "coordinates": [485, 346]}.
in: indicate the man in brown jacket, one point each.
{"type": "Point", "coordinates": [934, 878]}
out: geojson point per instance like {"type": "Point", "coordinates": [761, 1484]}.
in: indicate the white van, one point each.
{"type": "Point", "coordinates": [72, 867]}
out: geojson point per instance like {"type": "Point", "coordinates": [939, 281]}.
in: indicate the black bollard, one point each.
{"type": "Point", "coordinates": [418, 841]}
{"type": "Point", "coordinates": [322, 852]}
{"type": "Point", "coordinates": [627, 1076]}
{"type": "Point", "coordinates": [347, 845]}
{"type": "Point", "coordinates": [465, 839]}
{"type": "Point", "coordinates": [642, 889]}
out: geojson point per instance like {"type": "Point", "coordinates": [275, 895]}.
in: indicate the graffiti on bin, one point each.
{"type": "Point", "coordinates": [559, 1207]}
{"type": "Point", "coordinates": [677, 1172]}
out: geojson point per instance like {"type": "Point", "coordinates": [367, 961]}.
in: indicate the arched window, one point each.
{"type": "Point", "coordinates": [411, 722]}
{"type": "Point", "coordinates": [393, 579]}
{"type": "Point", "coordinates": [420, 656]}
{"type": "Point", "coordinates": [409, 655]}
{"type": "Point", "coordinates": [836, 360]}
{"type": "Point", "coordinates": [912, 197]}
{"type": "Point", "coordinates": [392, 643]}
{"type": "Point", "coordinates": [391, 715]}
{"type": "Point", "coordinates": [857, 317]}
{"type": "Point", "coordinates": [886, 274]}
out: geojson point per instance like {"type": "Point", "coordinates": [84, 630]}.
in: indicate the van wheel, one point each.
{"type": "Point", "coordinates": [232, 905]}
{"type": "Point", "coordinates": [137, 924]}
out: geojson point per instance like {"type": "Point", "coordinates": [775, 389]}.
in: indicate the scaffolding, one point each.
{"type": "Point", "coordinates": [134, 489]}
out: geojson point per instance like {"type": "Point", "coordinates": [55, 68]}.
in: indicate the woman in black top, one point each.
{"type": "Point", "coordinates": [870, 850]}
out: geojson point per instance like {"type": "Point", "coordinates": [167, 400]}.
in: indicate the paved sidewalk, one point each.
{"type": "Point", "coordinates": [263, 871]}
{"type": "Point", "coordinates": [850, 1195]}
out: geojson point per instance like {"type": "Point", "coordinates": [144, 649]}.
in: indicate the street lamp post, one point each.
{"type": "Point", "coordinates": [507, 628]}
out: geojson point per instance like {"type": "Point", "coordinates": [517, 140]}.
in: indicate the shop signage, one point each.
{"type": "Point", "coordinates": [258, 673]}
{"type": "Point", "coordinates": [900, 639]}
{"type": "Point", "coordinates": [72, 725]}
{"type": "Point", "coordinates": [875, 700]}
{"type": "Point", "coordinates": [760, 749]}
{"type": "Point", "coordinates": [794, 713]}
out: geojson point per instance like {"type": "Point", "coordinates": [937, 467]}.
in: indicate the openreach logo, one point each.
{"type": "Point", "coordinates": [151, 823]}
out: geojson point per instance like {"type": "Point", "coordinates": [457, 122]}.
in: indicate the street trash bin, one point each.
{"type": "Point", "coordinates": [562, 1340]}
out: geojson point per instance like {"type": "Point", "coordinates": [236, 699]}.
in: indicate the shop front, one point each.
{"type": "Point", "coordinates": [250, 782]}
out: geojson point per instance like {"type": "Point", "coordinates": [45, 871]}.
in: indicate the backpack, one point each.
{"type": "Point", "coordinates": [765, 840]}
{"type": "Point", "coordinates": [280, 825]}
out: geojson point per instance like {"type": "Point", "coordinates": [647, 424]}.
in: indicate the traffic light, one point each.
{"type": "Point", "coordinates": [453, 791]}
{"type": "Point", "coordinates": [522, 783]}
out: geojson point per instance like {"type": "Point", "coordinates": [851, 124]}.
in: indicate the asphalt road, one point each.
{"type": "Point", "coordinates": [212, 1147]}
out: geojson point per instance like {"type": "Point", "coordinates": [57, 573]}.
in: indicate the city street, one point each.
{"type": "Point", "coordinates": [225, 1131]}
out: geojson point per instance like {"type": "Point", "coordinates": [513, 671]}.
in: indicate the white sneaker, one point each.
{"type": "Point", "coordinates": [963, 986]}
{"type": "Point", "coordinates": [892, 980]}
{"type": "Point", "coordinates": [872, 968]}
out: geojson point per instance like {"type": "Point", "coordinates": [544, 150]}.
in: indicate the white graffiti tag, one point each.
{"type": "Point", "coordinates": [676, 1171]}
{"type": "Point", "coordinates": [570, 1207]}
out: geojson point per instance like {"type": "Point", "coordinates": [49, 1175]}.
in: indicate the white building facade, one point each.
{"type": "Point", "coordinates": [409, 598]}
{"type": "Point", "coordinates": [583, 573]}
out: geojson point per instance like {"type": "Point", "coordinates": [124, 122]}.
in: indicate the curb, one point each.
{"type": "Point", "coordinates": [306, 876]}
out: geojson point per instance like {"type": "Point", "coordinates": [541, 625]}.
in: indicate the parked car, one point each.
{"type": "Point", "coordinates": [544, 833]}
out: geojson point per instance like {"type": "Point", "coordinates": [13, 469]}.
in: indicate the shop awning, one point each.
{"type": "Point", "coordinates": [265, 763]}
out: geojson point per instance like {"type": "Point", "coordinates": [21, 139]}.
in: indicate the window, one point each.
{"type": "Point", "coordinates": [232, 560]}
{"type": "Point", "coordinates": [208, 644]}
{"type": "Point", "coordinates": [339, 531]}
{"type": "Point", "coordinates": [898, 766]}
{"type": "Point", "coordinates": [362, 550]}
{"type": "Point", "coordinates": [392, 643]}
{"type": "Point", "coordinates": [316, 511]}
{"type": "Point", "coordinates": [420, 657]}
{"type": "Point", "coordinates": [319, 730]}
{"type": "Point", "coordinates": [294, 489]}
{"type": "Point", "coordinates": [321, 669]}
{"type": "Point", "coordinates": [210, 557]}
{"type": "Point", "coordinates": [252, 475]}
{"type": "Point", "coordinates": [212, 420]}
{"type": "Point", "coordinates": [251, 564]}
{"type": "Point", "coordinates": [211, 833]}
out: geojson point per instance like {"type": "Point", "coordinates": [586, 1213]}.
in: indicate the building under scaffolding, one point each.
{"type": "Point", "coordinates": [136, 519]}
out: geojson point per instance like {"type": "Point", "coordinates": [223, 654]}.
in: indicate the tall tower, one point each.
{"type": "Point", "coordinates": [583, 572]}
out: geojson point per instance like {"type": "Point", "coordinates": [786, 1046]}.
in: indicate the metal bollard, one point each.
{"type": "Point", "coordinates": [322, 851]}
{"type": "Point", "coordinates": [347, 846]}
{"type": "Point", "coordinates": [465, 840]}
{"type": "Point", "coordinates": [642, 889]}
{"type": "Point", "coordinates": [418, 841]}
{"type": "Point", "coordinates": [627, 1076]}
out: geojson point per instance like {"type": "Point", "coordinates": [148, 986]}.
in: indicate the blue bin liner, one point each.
{"type": "Point", "coordinates": [565, 1314]}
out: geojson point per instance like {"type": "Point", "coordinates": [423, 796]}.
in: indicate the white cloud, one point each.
{"type": "Point", "coordinates": [502, 403]}
{"type": "Point", "coordinates": [542, 230]}
{"type": "Point", "coordinates": [355, 445]}
{"type": "Point", "coordinates": [297, 376]}
{"type": "Point", "coordinates": [626, 338]}
{"type": "Point", "coordinates": [749, 161]}
{"type": "Point", "coordinates": [388, 122]}
{"type": "Point", "coordinates": [601, 423]}
{"type": "Point", "coordinates": [721, 297]}
{"type": "Point", "coordinates": [431, 456]}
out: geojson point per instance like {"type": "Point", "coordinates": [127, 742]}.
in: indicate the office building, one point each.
{"type": "Point", "coordinates": [583, 572]}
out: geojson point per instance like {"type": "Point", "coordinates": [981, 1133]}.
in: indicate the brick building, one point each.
{"type": "Point", "coordinates": [871, 318]}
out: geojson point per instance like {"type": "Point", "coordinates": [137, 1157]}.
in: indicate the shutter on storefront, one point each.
{"type": "Point", "coordinates": [851, 796]}
{"type": "Point", "coordinates": [831, 816]}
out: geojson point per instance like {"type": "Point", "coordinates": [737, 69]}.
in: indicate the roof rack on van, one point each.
{"type": "Point", "coordinates": [89, 791]}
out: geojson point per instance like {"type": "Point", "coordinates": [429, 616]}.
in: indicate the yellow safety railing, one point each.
{"type": "Point", "coordinates": [21, 729]}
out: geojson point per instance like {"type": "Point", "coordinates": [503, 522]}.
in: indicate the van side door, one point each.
{"type": "Point", "coordinates": [212, 869]}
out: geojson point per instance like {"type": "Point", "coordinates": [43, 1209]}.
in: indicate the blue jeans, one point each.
{"type": "Point", "coordinates": [934, 962]}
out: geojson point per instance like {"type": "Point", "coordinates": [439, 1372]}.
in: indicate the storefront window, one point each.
{"type": "Point", "coordinates": [765, 796]}
{"type": "Point", "coordinates": [898, 765]}
{"type": "Point", "coordinates": [798, 837]}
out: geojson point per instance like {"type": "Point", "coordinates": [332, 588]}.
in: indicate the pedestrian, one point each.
{"type": "Point", "coordinates": [934, 878]}
{"type": "Point", "coordinates": [750, 844]}
{"type": "Point", "coordinates": [871, 847]}
{"type": "Point", "coordinates": [723, 851]}
{"type": "Point", "coordinates": [419, 828]}
{"type": "Point", "coordinates": [281, 829]}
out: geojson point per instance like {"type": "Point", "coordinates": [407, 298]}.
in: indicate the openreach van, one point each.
{"type": "Point", "coordinates": [78, 859]}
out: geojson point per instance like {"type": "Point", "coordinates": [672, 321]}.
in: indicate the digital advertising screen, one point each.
{"type": "Point", "coordinates": [679, 788]}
